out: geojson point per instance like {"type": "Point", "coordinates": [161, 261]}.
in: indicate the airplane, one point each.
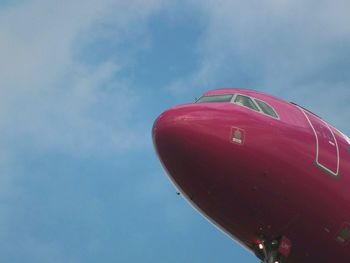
{"type": "Point", "coordinates": [269, 173]}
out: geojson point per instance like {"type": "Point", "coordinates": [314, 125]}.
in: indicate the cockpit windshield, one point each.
{"type": "Point", "coordinates": [246, 102]}
{"type": "Point", "coordinates": [241, 100]}
{"type": "Point", "coordinates": [267, 109]}
{"type": "Point", "coordinates": [215, 98]}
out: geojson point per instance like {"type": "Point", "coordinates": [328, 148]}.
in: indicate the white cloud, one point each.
{"type": "Point", "coordinates": [49, 99]}
{"type": "Point", "coordinates": [282, 47]}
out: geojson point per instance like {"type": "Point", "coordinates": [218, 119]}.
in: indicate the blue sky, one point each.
{"type": "Point", "coordinates": [81, 83]}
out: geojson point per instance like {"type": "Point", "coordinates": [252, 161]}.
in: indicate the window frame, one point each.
{"type": "Point", "coordinates": [342, 235]}
{"type": "Point", "coordinates": [277, 117]}
{"type": "Point", "coordinates": [243, 95]}
{"type": "Point", "coordinates": [216, 95]}
{"type": "Point", "coordinates": [253, 99]}
{"type": "Point", "coordinates": [256, 104]}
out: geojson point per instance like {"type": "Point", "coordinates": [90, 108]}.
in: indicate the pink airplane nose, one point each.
{"type": "Point", "coordinates": [173, 133]}
{"type": "Point", "coordinates": [186, 127]}
{"type": "Point", "coordinates": [192, 143]}
{"type": "Point", "coordinates": [188, 139]}
{"type": "Point", "coordinates": [177, 127]}
{"type": "Point", "coordinates": [179, 143]}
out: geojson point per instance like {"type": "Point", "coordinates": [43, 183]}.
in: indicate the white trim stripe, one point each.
{"type": "Point", "coordinates": [334, 173]}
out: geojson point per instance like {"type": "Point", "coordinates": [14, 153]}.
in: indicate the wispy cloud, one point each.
{"type": "Point", "coordinates": [281, 47]}
{"type": "Point", "coordinates": [50, 98]}
{"type": "Point", "coordinates": [53, 101]}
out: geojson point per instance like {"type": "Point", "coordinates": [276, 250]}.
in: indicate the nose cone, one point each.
{"type": "Point", "coordinates": [176, 127]}
{"type": "Point", "coordinates": [168, 124]}
{"type": "Point", "coordinates": [217, 155]}
{"type": "Point", "coordinates": [187, 139]}
{"type": "Point", "coordinates": [180, 136]}
{"type": "Point", "coordinates": [174, 133]}
{"type": "Point", "coordinates": [194, 145]}
{"type": "Point", "coordinates": [171, 124]}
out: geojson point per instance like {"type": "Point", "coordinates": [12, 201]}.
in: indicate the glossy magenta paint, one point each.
{"type": "Point", "coordinates": [252, 174]}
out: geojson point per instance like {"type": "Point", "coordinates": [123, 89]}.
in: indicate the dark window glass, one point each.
{"type": "Point", "coordinates": [215, 98]}
{"type": "Point", "coordinates": [344, 235]}
{"type": "Point", "coordinates": [266, 108]}
{"type": "Point", "coordinates": [245, 101]}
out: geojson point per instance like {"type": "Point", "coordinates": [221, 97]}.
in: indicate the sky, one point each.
{"type": "Point", "coordinates": [81, 83]}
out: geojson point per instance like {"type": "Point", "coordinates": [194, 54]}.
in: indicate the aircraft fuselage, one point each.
{"type": "Point", "coordinates": [261, 175]}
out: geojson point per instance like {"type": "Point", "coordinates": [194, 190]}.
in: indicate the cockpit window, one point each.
{"type": "Point", "coordinates": [267, 109]}
{"type": "Point", "coordinates": [242, 100]}
{"type": "Point", "coordinates": [246, 101]}
{"type": "Point", "coordinates": [344, 235]}
{"type": "Point", "coordinates": [215, 98]}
